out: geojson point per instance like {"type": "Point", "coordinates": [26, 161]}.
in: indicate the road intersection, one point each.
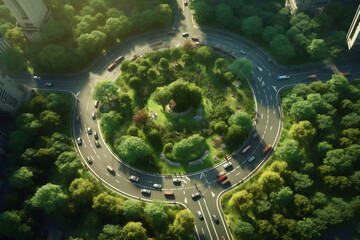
{"type": "Point", "coordinates": [267, 122]}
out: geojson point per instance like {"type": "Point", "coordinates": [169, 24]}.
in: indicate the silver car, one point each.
{"type": "Point", "coordinates": [89, 130]}
{"type": "Point", "coordinates": [199, 214]}
{"type": "Point", "coordinates": [133, 178]}
{"type": "Point", "coordinates": [145, 191]}
{"type": "Point", "coordinates": [157, 186]}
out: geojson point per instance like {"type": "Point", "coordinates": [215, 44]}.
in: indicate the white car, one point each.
{"type": "Point", "coordinates": [199, 214]}
{"type": "Point", "coordinates": [48, 84]}
{"type": "Point", "coordinates": [133, 178]}
{"type": "Point", "coordinates": [185, 34]}
{"type": "Point", "coordinates": [89, 130]}
{"type": "Point", "coordinates": [79, 141]}
{"type": "Point", "coordinates": [36, 77]}
{"type": "Point", "coordinates": [195, 195]}
{"type": "Point", "coordinates": [157, 186]}
{"type": "Point", "coordinates": [260, 69]}
{"type": "Point", "coordinates": [176, 181]}
{"type": "Point", "coordinates": [88, 159]}
{"type": "Point", "coordinates": [93, 116]}
{"type": "Point", "coordinates": [145, 191]}
{"type": "Point", "coordinates": [227, 165]}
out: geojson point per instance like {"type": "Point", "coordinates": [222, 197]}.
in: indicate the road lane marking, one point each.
{"type": "Point", "coordinates": [271, 97]}
{"type": "Point", "coordinates": [271, 127]}
{"type": "Point", "coordinates": [203, 230]}
{"type": "Point", "coordinates": [212, 222]}
{"type": "Point", "coordinates": [105, 155]}
{"type": "Point", "coordinates": [187, 178]}
{"type": "Point", "coordinates": [185, 201]}
{"type": "Point", "coordinates": [274, 88]}
{"type": "Point", "coordinates": [262, 115]}
{"type": "Point", "coordinates": [184, 180]}
{"type": "Point", "coordinates": [207, 226]}
{"type": "Point", "coordinates": [117, 181]}
{"type": "Point", "coordinates": [212, 194]}
{"type": "Point", "coordinates": [261, 102]}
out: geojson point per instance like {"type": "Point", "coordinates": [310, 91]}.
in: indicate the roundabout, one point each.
{"type": "Point", "coordinates": [267, 125]}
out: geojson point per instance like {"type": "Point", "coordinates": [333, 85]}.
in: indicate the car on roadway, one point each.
{"type": "Point", "coordinates": [242, 52]}
{"type": "Point", "coordinates": [199, 214]}
{"type": "Point", "coordinates": [133, 178]}
{"type": "Point", "coordinates": [88, 159]}
{"type": "Point", "coordinates": [215, 218]}
{"type": "Point", "coordinates": [78, 118]}
{"type": "Point", "coordinates": [186, 3]}
{"type": "Point", "coordinates": [260, 69]}
{"type": "Point", "coordinates": [97, 104]}
{"type": "Point", "coordinates": [195, 195]}
{"type": "Point", "coordinates": [157, 186]}
{"type": "Point", "coordinates": [110, 169]}
{"type": "Point", "coordinates": [79, 141]}
{"type": "Point", "coordinates": [97, 144]}
{"type": "Point", "coordinates": [283, 77]}
{"type": "Point", "coordinates": [133, 58]}
{"type": "Point", "coordinates": [93, 116]}
{"type": "Point", "coordinates": [227, 165]}
{"type": "Point", "coordinates": [221, 174]}
{"type": "Point", "coordinates": [255, 136]}
{"type": "Point", "coordinates": [36, 77]}
{"type": "Point", "coordinates": [89, 130]}
{"type": "Point", "coordinates": [96, 136]}
{"type": "Point", "coordinates": [176, 181]}
{"type": "Point", "coordinates": [185, 34]}
{"type": "Point", "coordinates": [252, 158]}
{"type": "Point", "coordinates": [119, 59]}
{"type": "Point", "coordinates": [145, 191]}
{"type": "Point", "coordinates": [48, 84]}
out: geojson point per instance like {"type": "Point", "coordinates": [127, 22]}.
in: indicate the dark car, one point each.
{"type": "Point", "coordinates": [93, 116]}
{"type": "Point", "coordinates": [215, 218]}
{"type": "Point", "coordinates": [89, 130]}
{"type": "Point", "coordinates": [79, 141]}
{"type": "Point", "coordinates": [88, 159]}
{"type": "Point", "coordinates": [96, 136]}
{"type": "Point", "coordinates": [97, 144]}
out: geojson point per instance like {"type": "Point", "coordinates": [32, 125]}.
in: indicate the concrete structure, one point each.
{"type": "Point", "coordinates": [11, 95]}
{"type": "Point", "coordinates": [4, 44]}
{"type": "Point", "coordinates": [353, 36]}
{"type": "Point", "coordinates": [29, 14]}
{"type": "Point", "coordinates": [305, 5]}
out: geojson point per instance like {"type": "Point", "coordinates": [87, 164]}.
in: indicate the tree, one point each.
{"type": "Point", "coordinates": [49, 119]}
{"type": "Point", "coordinates": [144, 19]}
{"type": "Point", "coordinates": [68, 164]}
{"type": "Point", "coordinates": [134, 231]}
{"type": "Point", "coordinates": [22, 178]}
{"type": "Point", "coordinates": [283, 48]}
{"type": "Point", "coordinates": [283, 197]}
{"type": "Point", "coordinates": [241, 201]}
{"type": "Point", "coordinates": [162, 96]}
{"type": "Point", "coordinates": [336, 212]}
{"type": "Point", "coordinates": [224, 14]}
{"type": "Point", "coordinates": [16, 38]}
{"type": "Point", "coordinates": [164, 64]}
{"type": "Point", "coordinates": [51, 31]}
{"type": "Point", "coordinates": [152, 74]}
{"type": "Point", "coordinates": [104, 90]}
{"type": "Point", "coordinates": [269, 33]}
{"type": "Point", "coordinates": [11, 226]}
{"type": "Point", "coordinates": [175, 53]}
{"type": "Point", "coordinates": [91, 43]}
{"type": "Point", "coordinates": [111, 232]}
{"type": "Point", "coordinates": [132, 209]}
{"type": "Point", "coordinates": [243, 230]}
{"type": "Point", "coordinates": [49, 197]}
{"type": "Point", "coordinates": [190, 148]}
{"type": "Point", "coordinates": [54, 58]}
{"type": "Point", "coordinates": [302, 110]}
{"type": "Point", "coordinates": [163, 14]}
{"type": "Point", "coordinates": [108, 205]}
{"type": "Point", "coordinates": [270, 181]}
{"type": "Point", "coordinates": [184, 95]}
{"type": "Point", "coordinates": [82, 191]}
{"type": "Point", "coordinates": [355, 178]}
{"type": "Point", "coordinates": [340, 85]}
{"type": "Point", "coordinates": [117, 27]}
{"type": "Point", "coordinates": [322, 148]}
{"type": "Point", "coordinates": [185, 58]}
{"type": "Point", "coordinates": [184, 223]}
{"type": "Point", "coordinates": [135, 83]}
{"type": "Point", "coordinates": [140, 117]}
{"type": "Point", "coordinates": [266, 229]}
{"type": "Point", "coordinates": [241, 67]}
{"type": "Point", "coordinates": [202, 11]}
{"type": "Point", "coordinates": [351, 120]}
{"type": "Point", "coordinates": [290, 151]}
{"type": "Point", "coordinates": [156, 212]}
{"type": "Point", "coordinates": [235, 136]}
{"type": "Point", "coordinates": [339, 161]}
{"type": "Point", "coordinates": [324, 123]}
{"type": "Point", "coordinates": [303, 132]}
{"type": "Point", "coordinates": [28, 123]}
{"type": "Point", "coordinates": [302, 182]}
{"type": "Point", "coordinates": [308, 229]}
{"type": "Point", "coordinates": [219, 65]}
{"type": "Point", "coordinates": [303, 205]}
{"type": "Point", "coordinates": [110, 123]}
{"type": "Point", "coordinates": [317, 49]}
{"type": "Point", "coordinates": [319, 200]}
{"type": "Point", "coordinates": [252, 26]}
{"type": "Point", "coordinates": [133, 149]}
{"type": "Point", "coordinates": [203, 54]}
{"type": "Point", "coordinates": [14, 60]}
{"type": "Point", "coordinates": [242, 119]}
{"type": "Point", "coordinates": [263, 208]}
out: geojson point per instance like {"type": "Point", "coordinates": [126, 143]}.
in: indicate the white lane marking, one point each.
{"type": "Point", "coordinates": [84, 145]}
{"type": "Point", "coordinates": [187, 178]}
{"type": "Point", "coordinates": [184, 180]}
{"type": "Point", "coordinates": [207, 226]}
{"type": "Point", "coordinates": [105, 155]}
{"type": "Point", "coordinates": [80, 130]}
{"type": "Point", "coordinates": [268, 111]}
{"type": "Point", "coordinates": [203, 230]}
{"type": "Point", "coordinates": [271, 127]}
{"type": "Point", "coordinates": [202, 175]}
{"type": "Point", "coordinates": [273, 109]}
{"type": "Point", "coordinates": [87, 105]}
{"type": "Point", "coordinates": [93, 150]}
{"type": "Point", "coordinates": [185, 201]}
{"type": "Point", "coordinates": [274, 88]}
{"type": "Point", "coordinates": [212, 194]}
{"type": "Point", "coordinates": [261, 102]}
{"type": "Point", "coordinates": [262, 115]}
{"type": "Point", "coordinates": [77, 94]}
{"type": "Point", "coordinates": [117, 181]}
{"type": "Point", "coordinates": [271, 97]}
{"type": "Point", "coordinates": [184, 192]}
{"type": "Point", "coordinates": [150, 181]}
{"type": "Point", "coordinates": [107, 174]}
{"type": "Point", "coordinates": [212, 222]}
{"type": "Point", "coordinates": [98, 156]}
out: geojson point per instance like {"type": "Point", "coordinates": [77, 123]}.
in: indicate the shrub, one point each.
{"type": "Point", "coordinates": [189, 149]}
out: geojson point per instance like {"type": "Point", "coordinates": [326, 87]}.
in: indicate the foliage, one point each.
{"type": "Point", "coordinates": [132, 209]}
{"type": "Point", "coordinates": [109, 122]}
{"type": "Point", "coordinates": [104, 90]}
{"type": "Point", "coordinates": [156, 212]}
{"type": "Point", "coordinates": [184, 224]}
{"type": "Point", "coordinates": [242, 67]}
{"type": "Point", "coordinates": [49, 197]}
{"type": "Point", "coordinates": [133, 149]}
{"type": "Point", "coordinates": [22, 178]}
{"type": "Point", "coordinates": [68, 164]}
{"type": "Point", "coordinates": [189, 149]}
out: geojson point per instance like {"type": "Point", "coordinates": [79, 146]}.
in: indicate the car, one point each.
{"type": "Point", "coordinates": [111, 66]}
{"type": "Point", "coordinates": [36, 77]}
{"type": "Point", "coordinates": [133, 58]}
{"type": "Point", "coordinates": [283, 77]}
{"type": "Point", "coordinates": [110, 169]}
{"type": "Point", "coordinates": [199, 214]}
{"type": "Point", "coordinates": [96, 104]}
{"type": "Point", "coordinates": [269, 59]}
{"type": "Point", "coordinates": [223, 238]}
{"type": "Point", "coordinates": [176, 181]}
{"type": "Point", "coordinates": [119, 59]}
{"type": "Point", "coordinates": [89, 130]}
{"type": "Point", "coordinates": [252, 158]}
{"type": "Point", "coordinates": [96, 136]}
{"type": "Point", "coordinates": [93, 116]}
{"type": "Point", "coordinates": [221, 174]}
{"type": "Point", "coordinates": [215, 218]}
{"type": "Point", "coordinates": [242, 52]}
{"type": "Point", "coordinates": [79, 141]}
{"type": "Point", "coordinates": [260, 69]}
{"type": "Point", "coordinates": [78, 118]}
{"type": "Point", "coordinates": [145, 191]}
{"type": "Point", "coordinates": [97, 144]}
{"type": "Point", "coordinates": [88, 159]}
{"type": "Point", "coordinates": [169, 194]}
{"type": "Point", "coordinates": [48, 84]}
{"type": "Point", "coordinates": [195, 195]}
{"type": "Point", "coordinates": [185, 34]}
{"type": "Point", "coordinates": [156, 185]}
{"type": "Point", "coordinates": [255, 136]}
{"type": "Point", "coordinates": [227, 165]}
{"type": "Point", "coordinates": [133, 178]}
{"type": "Point", "coordinates": [185, 3]}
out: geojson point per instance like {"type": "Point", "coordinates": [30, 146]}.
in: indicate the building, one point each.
{"type": "Point", "coordinates": [305, 5]}
{"type": "Point", "coordinates": [353, 36]}
{"type": "Point", "coordinates": [12, 95]}
{"type": "Point", "coordinates": [4, 44]}
{"type": "Point", "coordinates": [29, 14]}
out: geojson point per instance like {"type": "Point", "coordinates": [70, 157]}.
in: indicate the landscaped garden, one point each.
{"type": "Point", "coordinates": [312, 181]}
{"type": "Point", "coordinates": [177, 110]}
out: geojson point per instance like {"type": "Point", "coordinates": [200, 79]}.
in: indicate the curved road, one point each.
{"type": "Point", "coordinates": [267, 121]}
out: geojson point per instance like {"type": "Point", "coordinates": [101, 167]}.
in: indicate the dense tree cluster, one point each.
{"type": "Point", "coordinates": [292, 38]}
{"type": "Point", "coordinates": [80, 31]}
{"type": "Point", "coordinates": [313, 182]}
{"type": "Point", "coordinates": [48, 181]}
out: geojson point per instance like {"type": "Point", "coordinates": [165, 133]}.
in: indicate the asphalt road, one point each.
{"type": "Point", "coordinates": [267, 122]}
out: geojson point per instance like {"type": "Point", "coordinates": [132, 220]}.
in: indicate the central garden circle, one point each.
{"type": "Point", "coordinates": [177, 110]}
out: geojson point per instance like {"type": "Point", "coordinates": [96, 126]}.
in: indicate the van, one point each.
{"type": "Point", "coordinates": [221, 178]}
{"type": "Point", "coordinates": [195, 39]}
{"type": "Point", "coordinates": [267, 148]}
{"type": "Point", "coordinates": [111, 66]}
{"type": "Point", "coordinates": [283, 77]}
{"type": "Point", "coordinates": [119, 59]}
{"type": "Point", "coordinates": [251, 159]}
{"type": "Point", "coordinates": [225, 182]}
{"type": "Point", "coordinates": [169, 193]}
{"type": "Point", "coordinates": [245, 149]}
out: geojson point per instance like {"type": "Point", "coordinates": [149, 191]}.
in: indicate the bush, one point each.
{"type": "Point", "coordinates": [133, 149]}
{"type": "Point", "coordinates": [168, 148]}
{"type": "Point", "coordinates": [133, 131]}
{"type": "Point", "coordinates": [154, 137]}
{"type": "Point", "coordinates": [189, 149]}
